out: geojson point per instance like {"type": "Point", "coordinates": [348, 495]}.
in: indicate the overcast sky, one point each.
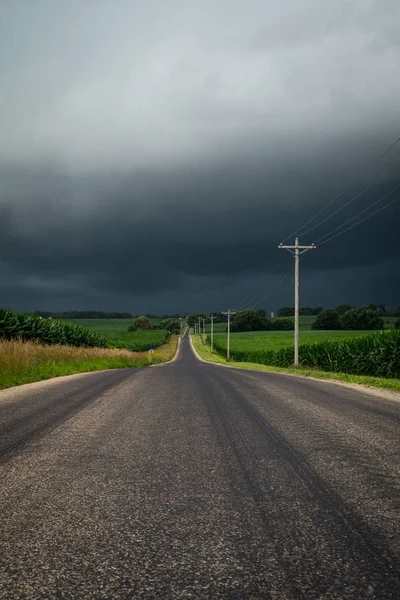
{"type": "Point", "coordinates": [154, 154]}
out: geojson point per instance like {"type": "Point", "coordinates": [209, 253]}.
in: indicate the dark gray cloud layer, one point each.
{"type": "Point", "coordinates": [152, 157]}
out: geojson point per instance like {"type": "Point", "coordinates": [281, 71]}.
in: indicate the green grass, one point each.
{"type": "Point", "coordinates": [117, 335]}
{"type": "Point", "coordinates": [376, 382]}
{"type": "Point", "coordinates": [51, 370]}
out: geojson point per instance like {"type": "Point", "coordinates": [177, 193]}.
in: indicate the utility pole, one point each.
{"type": "Point", "coordinates": [229, 313]}
{"type": "Point", "coordinates": [199, 328]}
{"type": "Point", "coordinates": [295, 250]}
{"type": "Point", "coordinates": [212, 332]}
{"type": "Point", "coordinates": [204, 326]}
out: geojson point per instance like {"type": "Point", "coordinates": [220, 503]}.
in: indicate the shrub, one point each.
{"type": "Point", "coordinates": [286, 311]}
{"type": "Point", "coordinates": [349, 319]}
{"type": "Point", "coordinates": [249, 320]}
{"type": "Point", "coordinates": [282, 324]}
{"type": "Point", "coordinates": [140, 324]}
{"type": "Point", "coordinates": [327, 319]}
{"type": "Point", "coordinates": [255, 320]}
{"type": "Point", "coordinates": [363, 319]}
{"type": "Point", "coordinates": [370, 319]}
{"type": "Point", "coordinates": [343, 308]}
{"type": "Point", "coordinates": [171, 325]}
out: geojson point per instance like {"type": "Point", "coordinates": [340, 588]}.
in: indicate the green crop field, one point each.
{"type": "Point", "coordinates": [274, 340]}
{"type": "Point", "coordinates": [103, 325]}
{"type": "Point", "coordinates": [137, 340]}
{"type": "Point", "coordinates": [355, 352]}
{"type": "Point", "coordinates": [117, 335]}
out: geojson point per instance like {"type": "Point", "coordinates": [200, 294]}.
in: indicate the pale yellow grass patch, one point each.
{"type": "Point", "coordinates": [31, 354]}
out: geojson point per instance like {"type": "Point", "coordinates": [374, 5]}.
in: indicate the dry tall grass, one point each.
{"type": "Point", "coordinates": [21, 362]}
{"type": "Point", "coordinates": [29, 354]}
{"type": "Point", "coordinates": [24, 362]}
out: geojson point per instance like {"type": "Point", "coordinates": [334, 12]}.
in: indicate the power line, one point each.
{"type": "Point", "coordinates": [271, 291]}
{"type": "Point", "coordinates": [362, 221]}
{"type": "Point", "coordinates": [357, 215]}
{"type": "Point", "coordinates": [369, 166]}
{"type": "Point", "coordinates": [256, 295]}
{"type": "Point", "coordinates": [368, 187]}
{"type": "Point", "coordinates": [251, 293]}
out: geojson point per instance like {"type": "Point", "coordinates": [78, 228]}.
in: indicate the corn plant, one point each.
{"type": "Point", "coordinates": [14, 326]}
{"type": "Point", "coordinates": [377, 354]}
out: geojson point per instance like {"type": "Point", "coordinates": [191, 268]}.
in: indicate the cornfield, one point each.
{"type": "Point", "coordinates": [138, 341]}
{"type": "Point", "coordinates": [15, 326]}
{"type": "Point", "coordinates": [377, 355]}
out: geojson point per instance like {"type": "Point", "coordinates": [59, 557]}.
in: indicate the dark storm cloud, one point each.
{"type": "Point", "coordinates": [157, 158]}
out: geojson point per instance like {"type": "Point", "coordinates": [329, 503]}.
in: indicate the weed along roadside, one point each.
{"type": "Point", "coordinates": [390, 383]}
{"type": "Point", "coordinates": [26, 362]}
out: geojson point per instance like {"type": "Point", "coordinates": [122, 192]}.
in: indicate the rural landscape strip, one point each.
{"type": "Point", "coordinates": [27, 362]}
{"type": "Point", "coordinates": [204, 352]}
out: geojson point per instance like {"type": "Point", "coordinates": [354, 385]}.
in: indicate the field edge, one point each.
{"type": "Point", "coordinates": [361, 382]}
{"type": "Point", "coordinates": [162, 354]}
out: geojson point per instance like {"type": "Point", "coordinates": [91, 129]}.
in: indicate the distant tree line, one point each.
{"type": "Point", "coordinates": [143, 323]}
{"type": "Point", "coordinates": [82, 314]}
{"type": "Point", "coordinates": [97, 314]}
{"type": "Point", "coordinates": [219, 317]}
{"type": "Point", "coordinates": [344, 316]}
{"type": "Point", "coordinates": [381, 309]}
{"type": "Point", "coordinates": [349, 318]}
{"type": "Point", "coordinates": [256, 320]}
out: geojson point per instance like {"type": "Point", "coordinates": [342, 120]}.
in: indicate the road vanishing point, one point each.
{"type": "Point", "coordinates": [192, 480]}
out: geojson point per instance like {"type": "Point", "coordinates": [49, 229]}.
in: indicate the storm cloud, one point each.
{"type": "Point", "coordinates": [153, 155]}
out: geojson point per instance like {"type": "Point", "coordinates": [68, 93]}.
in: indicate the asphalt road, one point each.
{"type": "Point", "coordinates": [191, 480]}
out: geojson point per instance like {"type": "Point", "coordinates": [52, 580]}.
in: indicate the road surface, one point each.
{"type": "Point", "coordinates": [191, 480]}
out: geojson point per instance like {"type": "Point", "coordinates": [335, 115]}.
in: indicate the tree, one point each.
{"type": "Point", "coordinates": [249, 320]}
{"type": "Point", "coordinates": [286, 311]}
{"type": "Point", "coordinates": [397, 324]}
{"type": "Point", "coordinates": [171, 325]}
{"type": "Point", "coordinates": [363, 319]}
{"type": "Point", "coordinates": [349, 319]}
{"type": "Point", "coordinates": [343, 308]}
{"type": "Point", "coordinates": [369, 319]}
{"type": "Point", "coordinates": [306, 310]}
{"type": "Point", "coordinates": [281, 324]}
{"type": "Point", "coordinates": [140, 324]}
{"type": "Point", "coordinates": [194, 318]}
{"type": "Point", "coordinates": [327, 319]}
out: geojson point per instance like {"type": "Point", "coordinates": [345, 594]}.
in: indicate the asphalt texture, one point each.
{"type": "Point", "coordinates": [191, 480]}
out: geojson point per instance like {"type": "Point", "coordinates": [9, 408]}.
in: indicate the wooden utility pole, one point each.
{"type": "Point", "coordinates": [229, 313]}
{"type": "Point", "coordinates": [295, 250]}
{"type": "Point", "coordinates": [212, 332]}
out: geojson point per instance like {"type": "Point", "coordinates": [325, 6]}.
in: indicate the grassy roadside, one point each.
{"type": "Point", "coordinates": [26, 362]}
{"type": "Point", "coordinates": [166, 352]}
{"type": "Point", "coordinates": [204, 352]}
